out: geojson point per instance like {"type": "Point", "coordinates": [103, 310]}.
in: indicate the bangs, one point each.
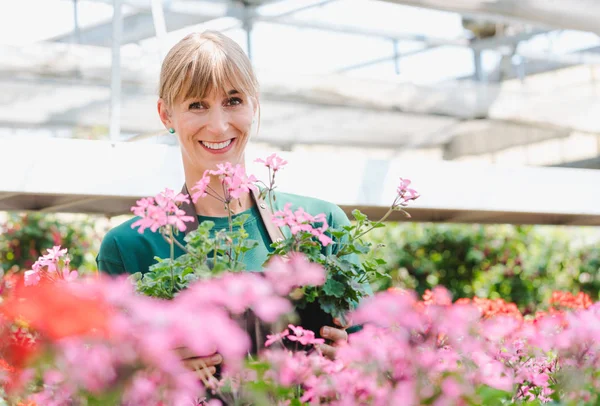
{"type": "Point", "coordinates": [204, 75]}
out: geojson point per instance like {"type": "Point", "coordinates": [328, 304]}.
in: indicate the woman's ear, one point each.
{"type": "Point", "coordinates": [164, 113]}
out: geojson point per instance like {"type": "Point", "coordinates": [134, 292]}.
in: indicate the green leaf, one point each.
{"type": "Point", "coordinates": [338, 234]}
{"type": "Point", "coordinates": [358, 215]}
{"type": "Point", "coordinates": [492, 396]}
{"type": "Point", "coordinates": [361, 248]}
{"type": "Point", "coordinates": [334, 288]}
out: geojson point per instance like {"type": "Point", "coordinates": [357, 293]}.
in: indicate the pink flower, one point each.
{"type": "Point", "coordinates": [161, 210]}
{"type": "Point", "coordinates": [32, 278]}
{"type": "Point", "coordinates": [69, 275]}
{"type": "Point", "coordinates": [50, 260]}
{"type": "Point", "coordinates": [273, 338]}
{"type": "Point", "coordinates": [239, 183]}
{"type": "Point", "coordinates": [233, 178]}
{"type": "Point", "coordinates": [55, 253]}
{"type": "Point", "coordinates": [273, 162]}
{"type": "Point", "coordinates": [405, 194]}
{"type": "Point", "coordinates": [271, 308]}
{"type": "Point", "coordinates": [304, 337]}
{"type": "Point", "coordinates": [403, 186]}
{"type": "Point", "coordinates": [451, 388]}
{"type": "Point", "coordinates": [201, 186]}
{"type": "Point", "coordinates": [301, 221]}
{"type": "Point", "coordinates": [295, 272]}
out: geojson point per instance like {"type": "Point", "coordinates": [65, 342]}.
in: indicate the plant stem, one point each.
{"type": "Point", "coordinates": [176, 243]}
{"type": "Point", "coordinates": [172, 260]}
{"type": "Point", "coordinates": [229, 219]}
{"type": "Point", "coordinates": [272, 182]}
{"type": "Point", "coordinates": [391, 209]}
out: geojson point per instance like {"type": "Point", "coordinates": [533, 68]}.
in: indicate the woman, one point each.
{"type": "Point", "coordinates": [208, 97]}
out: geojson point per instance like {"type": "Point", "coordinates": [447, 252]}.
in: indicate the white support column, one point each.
{"type": "Point", "coordinates": [160, 26]}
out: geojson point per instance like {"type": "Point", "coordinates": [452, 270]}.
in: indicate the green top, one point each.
{"type": "Point", "coordinates": [125, 250]}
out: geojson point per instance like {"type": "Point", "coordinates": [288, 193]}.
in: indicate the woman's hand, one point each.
{"type": "Point", "coordinates": [205, 367]}
{"type": "Point", "coordinates": [334, 335]}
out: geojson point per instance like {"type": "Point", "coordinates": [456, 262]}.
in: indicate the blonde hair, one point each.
{"type": "Point", "coordinates": [204, 62]}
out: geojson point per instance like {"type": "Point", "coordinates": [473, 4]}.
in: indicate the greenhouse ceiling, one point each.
{"type": "Point", "coordinates": [400, 77]}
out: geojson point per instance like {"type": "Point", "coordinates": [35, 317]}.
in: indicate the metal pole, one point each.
{"type": "Point", "coordinates": [249, 40]}
{"type": "Point", "coordinates": [115, 79]}
{"type": "Point", "coordinates": [396, 57]}
{"type": "Point", "coordinates": [479, 72]}
{"type": "Point", "coordinates": [76, 35]}
{"type": "Point", "coordinates": [160, 26]}
{"type": "Point", "coordinates": [248, 27]}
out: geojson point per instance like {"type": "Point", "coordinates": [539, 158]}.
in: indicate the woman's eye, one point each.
{"type": "Point", "coordinates": [195, 105]}
{"type": "Point", "coordinates": [234, 101]}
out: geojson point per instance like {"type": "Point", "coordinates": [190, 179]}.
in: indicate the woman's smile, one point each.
{"type": "Point", "coordinates": [218, 147]}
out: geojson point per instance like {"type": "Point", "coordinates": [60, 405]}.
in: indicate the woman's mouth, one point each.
{"type": "Point", "coordinates": [217, 147]}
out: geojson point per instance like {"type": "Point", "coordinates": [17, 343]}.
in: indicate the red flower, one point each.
{"type": "Point", "coordinates": [491, 308]}
{"type": "Point", "coordinates": [568, 300]}
{"type": "Point", "coordinates": [5, 366]}
{"type": "Point", "coordinates": [56, 312]}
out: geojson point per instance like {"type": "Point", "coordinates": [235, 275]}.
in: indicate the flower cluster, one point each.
{"type": "Point", "coordinates": [569, 301]}
{"type": "Point", "coordinates": [300, 221]}
{"type": "Point", "coordinates": [409, 351]}
{"type": "Point", "coordinates": [493, 307]}
{"type": "Point", "coordinates": [298, 334]}
{"type": "Point", "coordinates": [160, 211]}
{"type": "Point", "coordinates": [49, 267]}
{"type": "Point", "coordinates": [98, 334]}
{"type": "Point", "coordinates": [234, 180]}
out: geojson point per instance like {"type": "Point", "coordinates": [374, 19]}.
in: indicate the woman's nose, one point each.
{"type": "Point", "coordinates": [217, 121]}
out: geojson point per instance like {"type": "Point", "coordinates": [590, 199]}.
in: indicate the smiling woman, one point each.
{"type": "Point", "coordinates": [209, 98]}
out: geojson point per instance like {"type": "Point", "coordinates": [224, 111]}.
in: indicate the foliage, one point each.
{"type": "Point", "coordinates": [520, 264]}
{"type": "Point", "coordinates": [26, 236]}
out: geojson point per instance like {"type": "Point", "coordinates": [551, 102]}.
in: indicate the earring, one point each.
{"type": "Point", "coordinates": [172, 130]}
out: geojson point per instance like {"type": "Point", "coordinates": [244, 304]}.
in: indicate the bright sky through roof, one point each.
{"type": "Point", "coordinates": [302, 50]}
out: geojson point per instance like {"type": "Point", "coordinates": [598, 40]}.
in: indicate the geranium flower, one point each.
{"type": "Point", "coordinates": [273, 162]}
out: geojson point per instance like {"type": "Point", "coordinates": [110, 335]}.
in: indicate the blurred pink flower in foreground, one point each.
{"type": "Point", "coordinates": [296, 271]}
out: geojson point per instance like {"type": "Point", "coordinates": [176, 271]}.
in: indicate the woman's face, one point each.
{"type": "Point", "coordinates": [212, 130]}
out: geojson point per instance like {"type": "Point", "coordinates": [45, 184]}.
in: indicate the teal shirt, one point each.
{"type": "Point", "coordinates": [125, 251]}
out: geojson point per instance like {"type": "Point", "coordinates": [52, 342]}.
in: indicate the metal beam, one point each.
{"type": "Point", "coordinates": [4, 196]}
{"type": "Point", "coordinates": [476, 45]}
{"type": "Point", "coordinates": [579, 15]}
{"type": "Point", "coordinates": [74, 202]}
{"type": "Point", "coordinates": [140, 26]}
{"type": "Point", "coordinates": [177, 15]}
